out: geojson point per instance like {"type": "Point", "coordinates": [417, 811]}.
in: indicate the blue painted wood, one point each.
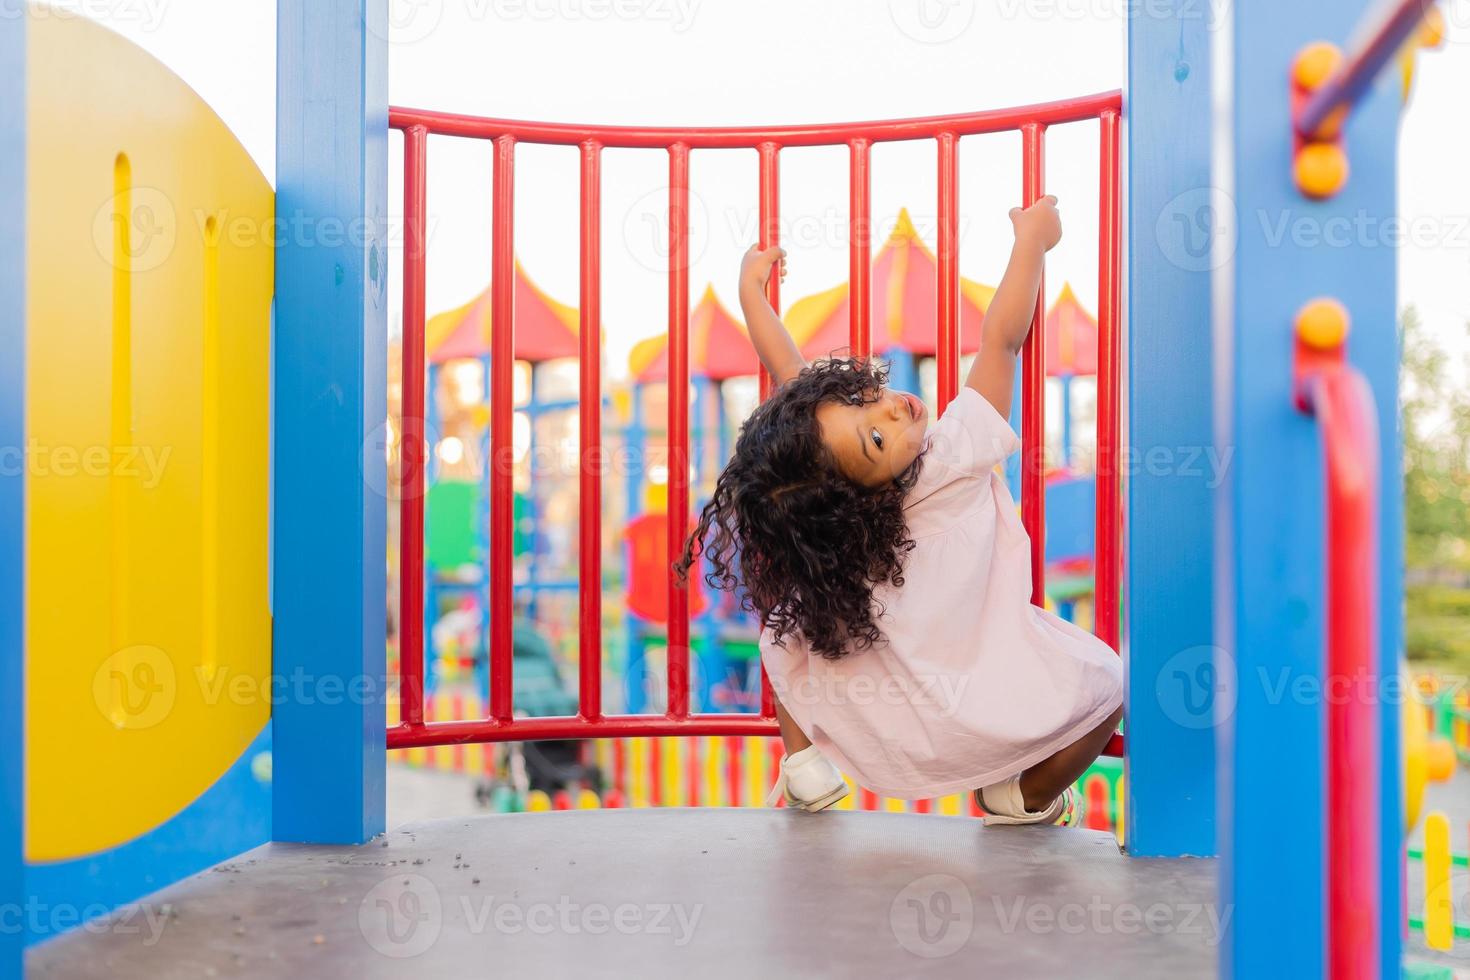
{"type": "Point", "coordinates": [230, 817]}
{"type": "Point", "coordinates": [12, 485]}
{"type": "Point", "coordinates": [1273, 594]}
{"type": "Point", "coordinates": [1012, 465]}
{"type": "Point", "coordinates": [331, 152]}
{"type": "Point", "coordinates": [436, 468]}
{"type": "Point", "coordinates": [535, 538]}
{"type": "Point", "coordinates": [903, 370]}
{"type": "Point", "coordinates": [1170, 808]}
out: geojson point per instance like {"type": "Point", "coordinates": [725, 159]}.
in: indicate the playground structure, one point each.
{"type": "Point", "coordinates": [178, 571]}
{"type": "Point", "coordinates": [701, 771]}
{"type": "Point", "coordinates": [723, 638]}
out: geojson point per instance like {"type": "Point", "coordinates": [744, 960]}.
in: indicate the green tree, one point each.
{"type": "Point", "coordinates": [1435, 419]}
{"type": "Point", "coordinates": [1435, 422]}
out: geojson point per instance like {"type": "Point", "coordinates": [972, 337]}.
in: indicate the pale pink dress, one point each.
{"type": "Point", "coordinates": [972, 683]}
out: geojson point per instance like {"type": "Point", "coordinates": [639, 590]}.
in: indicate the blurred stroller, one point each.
{"type": "Point", "coordinates": [538, 692]}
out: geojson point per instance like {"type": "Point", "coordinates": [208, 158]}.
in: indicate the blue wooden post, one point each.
{"type": "Point", "coordinates": [12, 491]}
{"type": "Point", "coordinates": [903, 370]}
{"type": "Point", "coordinates": [436, 467]}
{"type": "Point", "coordinates": [1272, 595]}
{"type": "Point", "coordinates": [635, 654]}
{"type": "Point", "coordinates": [1170, 808]}
{"type": "Point", "coordinates": [535, 539]}
{"type": "Point", "coordinates": [1013, 461]}
{"type": "Point", "coordinates": [330, 387]}
{"type": "Point", "coordinates": [482, 522]}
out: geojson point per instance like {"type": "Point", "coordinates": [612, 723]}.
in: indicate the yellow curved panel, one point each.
{"type": "Point", "coordinates": [149, 236]}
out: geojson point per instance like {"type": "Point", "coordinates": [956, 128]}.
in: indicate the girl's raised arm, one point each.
{"type": "Point", "coordinates": [773, 344]}
{"type": "Point", "coordinates": [1008, 319]}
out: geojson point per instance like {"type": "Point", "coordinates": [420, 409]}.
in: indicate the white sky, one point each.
{"type": "Point", "coordinates": [704, 62]}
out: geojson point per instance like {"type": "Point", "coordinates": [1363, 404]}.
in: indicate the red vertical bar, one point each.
{"type": "Point", "coordinates": [768, 696]}
{"type": "Point", "coordinates": [770, 233]}
{"type": "Point", "coordinates": [412, 456]}
{"type": "Point", "coordinates": [733, 747]}
{"type": "Point", "coordinates": [775, 751]}
{"type": "Point", "coordinates": [678, 495]}
{"type": "Point", "coordinates": [502, 451]}
{"type": "Point", "coordinates": [770, 219]}
{"type": "Point", "coordinates": [589, 521]}
{"type": "Point", "coordinates": [457, 754]}
{"type": "Point", "coordinates": [655, 772]}
{"type": "Point", "coordinates": [860, 247]}
{"type": "Point", "coordinates": [948, 345]}
{"type": "Point", "coordinates": [1109, 364]}
{"type": "Point", "coordinates": [692, 770]}
{"type": "Point", "coordinates": [1033, 382]}
{"type": "Point", "coordinates": [1343, 404]}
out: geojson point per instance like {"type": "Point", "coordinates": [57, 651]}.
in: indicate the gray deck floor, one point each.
{"type": "Point", "coordinates": [692, 893]}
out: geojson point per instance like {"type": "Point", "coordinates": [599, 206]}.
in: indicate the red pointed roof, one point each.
{"type": "Point", "coordinates": [905, 306]}
{"type": "Point", "coordinates": [719, 347]}
{"type": "Point", "coordinates": [905, 311]}
{"type": "Point", "coordinates": [1071, 337]}
{"type": "Point", "coordinates": [545, 328]}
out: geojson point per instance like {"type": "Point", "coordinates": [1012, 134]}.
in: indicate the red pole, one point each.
{"type": "Point", "coordinates": [770, 218]}
{"type": "Point", "coordinates": [655, 772]}
{"type": "Point", "coordinates": [691, 771]}
{"type": "Point", "coordinates": [1343, 405]}
{"type": "Point", "coordinates": [1033, 382]}
{"type": "Point", "coordinates": [457, 754]}
{"type": "Point", "coordinates": [770, 233]}
{"type": "Point", "coordinates": [768, 696]}
{"type": "Point", "coordinates": [1109, 369]}
{"type": "Point", "coordinates": [502, 450]}
{"type": "Point", "coordinates": [860, 247]}
{"type": "Point", "coordinates": [948, 346]}
{"type": "Point", "coordinates": [589, 522]}
{"type": "Point", "coordinates": [1077, 109]}
{"type": "Point", "coordinates": [412, 455]}
{"type": "Point", "coordinates": [678, 428]}
{"type": "Point", "coordinates": [733, 747]}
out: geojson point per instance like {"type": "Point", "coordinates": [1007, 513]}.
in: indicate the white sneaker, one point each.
{"type": "Point", "coordinates": [1005, 806]}
{"type": "Point", "coordinates": [807, 781]}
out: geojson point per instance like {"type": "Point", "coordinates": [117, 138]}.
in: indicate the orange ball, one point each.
{"type": "Point", "coordinates": [1315, 63]}
{"type": "Point", "coordinates": [1431, 31]}
{"type": "Point", "coordinates": [1322, 323]}
{"type": "Point", "coordinates": [1321, 169]}
{"type": "Point", "coordinates": [1441, 759]}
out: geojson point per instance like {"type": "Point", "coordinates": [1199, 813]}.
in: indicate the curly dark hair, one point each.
{"type": "Point", "coordinates": [807, 543]}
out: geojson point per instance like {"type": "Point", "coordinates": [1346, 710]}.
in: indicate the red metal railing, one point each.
{"type": "Point", "coordinates": [590, 721]}
{"type": "Point", "coordinates": [1342, 402]}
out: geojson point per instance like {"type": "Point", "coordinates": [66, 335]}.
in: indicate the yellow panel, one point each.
{"type": "Point", "coordinates": [1439, 905]}
{"type": "Point", "coordinates": [149, 235]}
{"type": "Point", "coordinates": [712, 752]}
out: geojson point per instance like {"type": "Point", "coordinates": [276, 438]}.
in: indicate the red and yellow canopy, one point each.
{"type": "Point", "coordinates": [905, 304]}
{"type": "Point", "coordinates": [719, 347]}
{"type": "Point", "coordinates": [1071, 336]}
{"type": "Point", "coordinates": [545, 328]}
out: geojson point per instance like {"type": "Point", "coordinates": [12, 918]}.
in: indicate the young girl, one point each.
{"type": "Point", "coordinates": [892, 575]}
